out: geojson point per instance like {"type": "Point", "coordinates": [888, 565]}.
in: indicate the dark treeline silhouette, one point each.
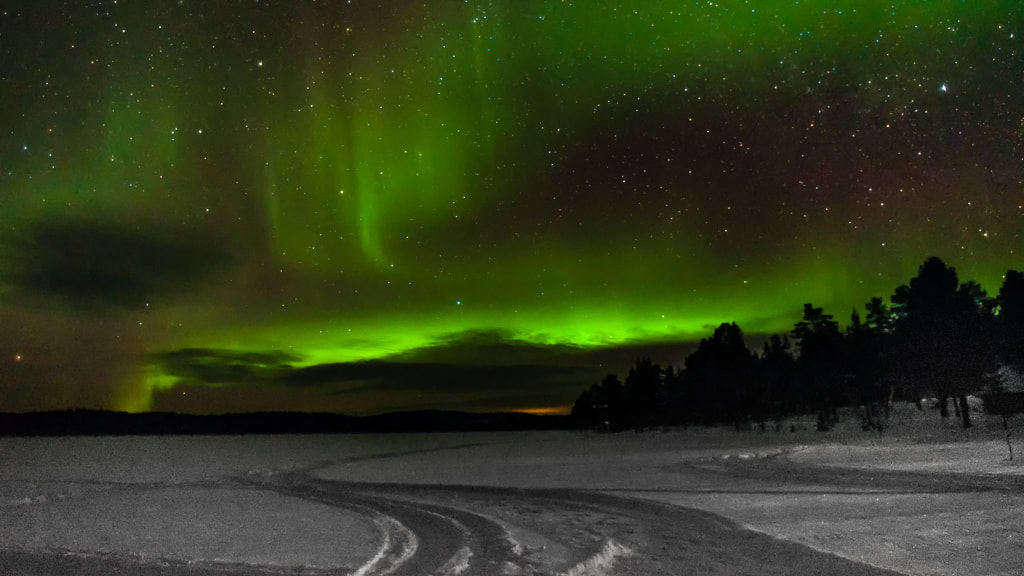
{"type": "Point", "coordinates": [938, 338]}
{"type": "Point", "coordinates": [108, 423]}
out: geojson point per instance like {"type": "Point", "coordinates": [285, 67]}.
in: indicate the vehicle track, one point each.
{"type": "Point", "coordinates": [574, 532]}
{"type": "Point", "coordinates": [463, 530]}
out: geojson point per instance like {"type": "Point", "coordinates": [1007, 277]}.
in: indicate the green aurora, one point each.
{"type": "Point", "coordinates": [554, 185]}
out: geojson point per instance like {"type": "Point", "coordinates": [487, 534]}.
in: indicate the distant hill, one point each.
{"type": "Point", "coordinates": [109, 423]}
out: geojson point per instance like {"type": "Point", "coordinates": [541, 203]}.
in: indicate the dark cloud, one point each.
{"type": "Point", "coordinates": [344, 372]}
{"type": "Point", "coordinates": [474, 370]}
{"type": "Point", "coordinates": [506, 347]}
{"type": "Point", "coordinates": [383, 384]}
{"type": "Point", "coordinates": [385, 375]}
{"type": "Point", "coordinates": [216, 366]}
{"type": "Point", "coordinates": [490, 347]}
{"type": "Point", "coordinates": [379, 386]}
{"type": "Point", "coordinates": [102, 264]}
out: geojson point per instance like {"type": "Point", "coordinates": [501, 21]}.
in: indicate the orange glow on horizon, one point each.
{"type": "Point", "coordinates": [547, 410]}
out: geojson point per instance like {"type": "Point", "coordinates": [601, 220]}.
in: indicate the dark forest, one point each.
{"type": "Point", "coordinates": [937, 338]}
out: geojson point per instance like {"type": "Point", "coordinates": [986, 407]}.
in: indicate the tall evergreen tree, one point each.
{"type": "Point", "coordinates": [943, 336]}
{"type": "Point", "coordinates": [778, 372]}
{"type": "Point", "coordinates": [879, 318]}
{"type": "Point", "coordinates": [645, 394]}
{"type": "Point", "coordinates": [1011, 320]}
{"type": "Point", "coordinates": [721, 377]}
{"type": "Point", "coordinates": [820, 362]}
{"type": "Point", "coordinates": [676, 410]}
{"type": "Point", "coordinates": [864, 359]}
{"type": "Point", "coordinates": [602, 406]}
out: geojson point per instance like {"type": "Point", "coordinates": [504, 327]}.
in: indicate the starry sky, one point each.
{"type": "Point", "coordinates": [366, 206]}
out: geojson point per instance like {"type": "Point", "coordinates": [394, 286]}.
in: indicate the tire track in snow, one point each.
{"type": "Point", "coordinates": [446, 545]}
{"type": "Point", "coordinates": [469, 531]}
{"type": "Point", "coordinates": [600, 563]}
{"type": "Point", "coordinates": [598, 534]}
{"type": "Point", "coordinates": [398, 545]}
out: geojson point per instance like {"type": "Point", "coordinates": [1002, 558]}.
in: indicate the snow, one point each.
{"type": "Point", "coordinates": [187, 497]}
{"type": "Point", "coordinates": [184, 523]}
{"type": "Point", "coordinates": [396, 540]}
{"type": "Point", "coordinates": [600, 563]}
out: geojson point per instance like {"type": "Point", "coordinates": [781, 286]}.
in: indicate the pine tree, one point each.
{"type": "Point", "coordinates": [944, 336]}
{"type": "Point", "coordinates": [820, 362]}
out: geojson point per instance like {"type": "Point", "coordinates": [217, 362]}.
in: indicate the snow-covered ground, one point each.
{"type": "Point", "coordinates": [923, 497]}
{"type": "Point", "coordinates": [222, 525]}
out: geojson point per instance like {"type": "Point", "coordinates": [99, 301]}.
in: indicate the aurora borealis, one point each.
{"type": "Point", "coordinates": [369, 206]}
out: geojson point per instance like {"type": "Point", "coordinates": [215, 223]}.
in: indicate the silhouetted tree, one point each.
{"type": "Point", "coordinates": [721, 377]}
{"type": "Point", "coordinates": [602, 406]}
{"type": "Point", "coordinates": [879, 318]}
{"type": "Point", "coordinates": [943, 336]}
{"type": "Point", "coordinates": [865, 344]}
{"type": "Point", "coordinates": [1011, 320]}
{"type": "Point", "coordinates": [644, 393]}
{"type": "Point", "coordinates": [779, 374]}
{"type": "Point", "coordinates": [880, 323]}
{"type": "Point", "coordinates": [820, 362]}
{"type": "Point", "coordinates": [919, 309]}
{"type": "Point", "coordinates": [675, 410]}
{"type": "Point", "coordinates": [939, 336]}
{"type": "Point", "coordinates": [584, 410]}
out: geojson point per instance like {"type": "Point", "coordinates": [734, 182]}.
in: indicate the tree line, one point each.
{"type": "Point", "coordinates": [81, 422]}
{"type": "Point", "coordinates": [938, 338]}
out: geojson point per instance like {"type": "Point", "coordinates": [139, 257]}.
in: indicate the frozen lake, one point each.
{"type": "Point", "coordinates": [922, 499]}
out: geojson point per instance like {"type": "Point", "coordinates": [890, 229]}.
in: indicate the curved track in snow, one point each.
{"type": "Point", "coordinates": [462, 530]}
{"type": "Point", "coordinates": [506, 531]}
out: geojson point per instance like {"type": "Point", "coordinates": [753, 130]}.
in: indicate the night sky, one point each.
{"type": "Point", "coordinates": [483, 205]}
